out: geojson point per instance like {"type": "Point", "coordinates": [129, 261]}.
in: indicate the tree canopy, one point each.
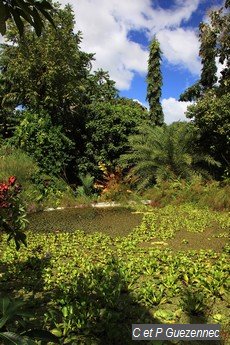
{"type": "Point", "coordinates": [108, 127]}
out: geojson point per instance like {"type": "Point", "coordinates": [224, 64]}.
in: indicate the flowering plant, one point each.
{"type": "Point", "coordinates": [12, 213]}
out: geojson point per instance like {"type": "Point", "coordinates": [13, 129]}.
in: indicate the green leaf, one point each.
{"type": "Point", "coordinates": [3, 18]}
{"type": "Point", "coordinates": [26, 16]}
{"type": "Point", "coordinates": [65, 311]}
{"type": "Point", "coordinates": [18, 21]}
{"type": "Point", "coordinates": [38, 25]}
{"type": "Point", "coordinates": [24, 6]}
{"type": "Point", "coordinates": [41, 334]}
{"type": "Point", "coordinates": [3, 320]}
{"type": "Point", "coordinates": [4, 304]}
{"type": "Point", "coordinates": [56, 332]}
{"type": "Point", "coordinates": [48, 17]}
{"type": "Point", "coordinates": [11, 338]}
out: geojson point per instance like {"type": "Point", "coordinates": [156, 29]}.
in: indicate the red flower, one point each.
{"type": "Point", "coordinates": [3, 187]}
{"type": "Point", "coordinates": [12, 180]}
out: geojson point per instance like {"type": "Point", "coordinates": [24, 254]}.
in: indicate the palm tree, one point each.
{"type": "Point", "coordinates": [164, 153]}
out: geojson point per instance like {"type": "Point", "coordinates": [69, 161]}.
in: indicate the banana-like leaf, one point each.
{"type": "Point", "coordinates": [4, 304]}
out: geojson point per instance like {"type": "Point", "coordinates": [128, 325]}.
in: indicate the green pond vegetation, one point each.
{"type": "Point", "coordinates": [89, 287]}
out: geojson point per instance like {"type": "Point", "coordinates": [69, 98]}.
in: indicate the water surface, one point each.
{"type": "Point", "coordinates": [117, 221]}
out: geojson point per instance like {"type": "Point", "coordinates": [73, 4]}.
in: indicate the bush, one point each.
{"type": "Point", "coordinates": [46, 143]}
{"type": "Point", "coordinates": [213, 194]}
{"type": "Point", "coordinates": [38, 190]}
{"type": "Point", "coordinates": [15, 162]}
{"type": "Point", "coordinates": [12, 213]}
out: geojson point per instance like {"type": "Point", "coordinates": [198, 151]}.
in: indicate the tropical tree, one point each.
{"type": "Point", "coordinates": [47, 72]}
{"type": "Point", "coordinates": [212, 122]}
{"type": "Point", "coordinates": [164, 153]}
{"type": "Point", "coordinates": [31, 11]}
{"type": "Point", "coordinates": [51, 75]}
{"type": "Point", "coordinates": [214, 46]}
{"type": "Point", "coordinates": [108, 126]}
{"type": "Point", "coordinates": [154, 84]}
{"type": "Point", "coordinates": [210, 113]}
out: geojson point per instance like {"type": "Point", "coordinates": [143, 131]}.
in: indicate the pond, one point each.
{"type": "Point", "coordinates": [118, 221]}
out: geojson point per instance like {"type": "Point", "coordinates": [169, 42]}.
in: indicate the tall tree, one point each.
{"type": "Point", "coordinates": [214, 46]}
{"type": "Point", "coordinates": [47, 72]}
{"type": "Point", "coordinates": [208, 54]}
{"type": "Point", "coordinates": [154, 84]}
{"type": "Point", "coordinates": [210, 113]}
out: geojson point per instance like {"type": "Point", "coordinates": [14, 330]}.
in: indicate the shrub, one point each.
{"type": "Point", "coordinates": [46, 143]}
{"type": "Point", "coordinates": [17, 163]}
{"type": "Point", "coordinates": [211, 193]}
{"type": "Point", "coordinates": [13, 216]}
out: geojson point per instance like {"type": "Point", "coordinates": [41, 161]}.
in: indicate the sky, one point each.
{"type": "Point", "coordinates": [119, 33]}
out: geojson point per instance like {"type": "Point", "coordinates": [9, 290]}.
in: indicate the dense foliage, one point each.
{"type": "Point", "coordinates": [53, 78]}
{"type": "Point", "coordinates": [70, 139]}
{"type": "Point", "coordinates": [57, 83]}
{"type": "Point", "coordinates": [47, 144]}
{"type": "Point", "coordinates": [212, 124]}
{"type": "Point", "coordinates": [108, 127]}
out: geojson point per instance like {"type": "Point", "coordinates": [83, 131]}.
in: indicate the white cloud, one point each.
{"type": "Point", "coordinates": [106, 25]}
{"type": "Point", "coordinates": [174, 110]}
{"type": "Point", "coordinates": [173, 17]}
{"type": "Point", "coordinates": [144, 104]}
{"type": "Point", "coordinates": [220, 67]}
{"type": "Point", "coordinates": [181, 47]}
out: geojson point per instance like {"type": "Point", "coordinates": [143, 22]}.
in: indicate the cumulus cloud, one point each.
{"type": "Point", "coordinates": [106, 26]}
{"type": "Point", "coordinates": [174, 110]}
{"type": "Point", "coordinates": [180, 12]}
{"type": "Point", "coordinates": [181, 47]}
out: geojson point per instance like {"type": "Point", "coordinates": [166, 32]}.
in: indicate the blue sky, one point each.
{"type": "Point", "coordinates": [119, 33]}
